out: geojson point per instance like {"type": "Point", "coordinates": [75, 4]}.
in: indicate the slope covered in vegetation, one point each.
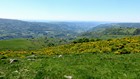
{"type": "Point", "coordinates": [10, 28]}
{"type": "Point", "coordinates": [113, 30]}
{"type": "Point", "coordinates": [15, 44]}
{"type": "Point", "coordinates": [118, 46]}
{"type": "Point", "coordinates": [85, 60]}
{"type": "Point", "coordinates": [82, 66]}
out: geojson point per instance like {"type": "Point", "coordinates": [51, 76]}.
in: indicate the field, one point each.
{"type": "Point", "coordinates": [21, 44]}
{"type": "Point", "coordinates": [15, 44]}
{"type": "Point", "coordinates": [104, 59]}
{"type": "Point", "coordinates": [79, 66]}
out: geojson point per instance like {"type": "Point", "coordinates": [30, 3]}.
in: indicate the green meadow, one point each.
{"type": "Point", "coordinates": [103, 59]}
{"type": "Point", "coordinates": [78, 66]}
{"type": "Point", "coordinates": [15, 44]}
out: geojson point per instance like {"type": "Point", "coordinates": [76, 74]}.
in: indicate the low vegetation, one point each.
{"type": "Point", "coordinates": [78, 66]}
{"type": "Point", "coordinates": [15, 44]}
{"type": "Point", "coordinates": [117, 46]}
{"type": "Point", "coordinates": [82, 59]}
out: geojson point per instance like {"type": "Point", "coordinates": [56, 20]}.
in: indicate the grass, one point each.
{"type": "Point", "coordinates": [20, 44]}
{"type": "Point", "coordinates": [15, 44]}
{"type": "Point", "coordinates": [79, 66]}
{"type": "Point", "coordinates": [106, 59]}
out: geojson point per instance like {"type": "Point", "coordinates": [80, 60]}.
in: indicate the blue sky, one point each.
{"type": "Point", "coordinates": [71, 10]}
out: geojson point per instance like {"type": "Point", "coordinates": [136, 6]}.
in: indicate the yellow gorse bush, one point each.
{"type": "Point", "coordinates": [122, 46]}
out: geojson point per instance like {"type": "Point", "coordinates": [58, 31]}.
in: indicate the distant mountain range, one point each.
{"type": "Point", "coordinates": [113, 29]}
{"type": "Point", "coordinates": [26, 29]}
{"type": "Point", "coordinates": [23, 29]}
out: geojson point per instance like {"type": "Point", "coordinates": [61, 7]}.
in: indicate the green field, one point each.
{"type": "Point", "coordinates": [80, 66]}
{"type": "Point", "coordinates": [104, 59]}
{"type": "Point", "coordinates": [15, 44]}
{"type": "Point", "coordinates": [21, 44]}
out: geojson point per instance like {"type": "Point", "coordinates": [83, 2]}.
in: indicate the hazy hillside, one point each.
{"type": "Point", "coordinates": [22, 29]}
{"type": "Point", "coordinates": [116, 29]}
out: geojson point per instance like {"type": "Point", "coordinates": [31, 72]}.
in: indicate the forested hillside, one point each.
{"type": "Point", "coordinates": [113, 30]}
{"type": "Point", "coordinates": [23, 29]}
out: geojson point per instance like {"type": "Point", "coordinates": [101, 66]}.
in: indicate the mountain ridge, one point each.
{"type": "Point", "coordinates": [19, 29]}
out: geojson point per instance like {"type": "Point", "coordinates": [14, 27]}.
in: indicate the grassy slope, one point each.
{"type": "Point", "coordinates": [21, 44]}
{"type": "Point", "coordinates": [82, 66]}
{"type": "Point", "coordinates": [82, 61]}
{"type": "Point", "coordinates": [118, 46]}
{"type": "Point", "coordinates": [15, 44]}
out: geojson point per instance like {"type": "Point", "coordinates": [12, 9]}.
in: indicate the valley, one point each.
{"type": "Point", "coordinates": [34, 50]}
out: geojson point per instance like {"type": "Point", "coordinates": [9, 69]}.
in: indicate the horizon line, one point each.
{"type": "Point", "coordinates": [47, 20]}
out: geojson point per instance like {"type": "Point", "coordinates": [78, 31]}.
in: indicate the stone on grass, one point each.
{"type": "Point", "coordinates": [13, 60]}
{"type": "Point", "coordinates": [68, 77]}
{"type": "Point", "coordinates": [59, 56]}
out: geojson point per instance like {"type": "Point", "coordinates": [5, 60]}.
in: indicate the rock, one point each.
{"type": "Point", "coordinates": [59, 56]}
{"type": "Point", "coordinates": [31, 59]}
{"type": "Point", "coordinates": [13, 60]}
{"type": "Point", "coordinates": [68, 77]}
{"type": "Point", "coordinates": [31, 56]}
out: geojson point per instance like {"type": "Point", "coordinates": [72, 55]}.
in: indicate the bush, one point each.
{"type": "Point", "coordinates": [81, 40]}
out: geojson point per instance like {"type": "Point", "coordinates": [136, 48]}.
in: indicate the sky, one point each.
{"type": "Point", "coordinates": [71, 10]}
